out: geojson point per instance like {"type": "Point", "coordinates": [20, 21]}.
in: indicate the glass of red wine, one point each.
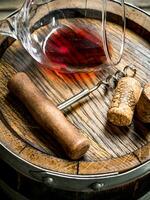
{"type": "Point", "coordinates": [70, 35]}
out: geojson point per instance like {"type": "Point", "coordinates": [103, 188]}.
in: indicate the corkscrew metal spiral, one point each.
{"type": "Point", "coordinates": [111, 79]}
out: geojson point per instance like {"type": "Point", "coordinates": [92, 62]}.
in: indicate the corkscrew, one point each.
{"type": "Point", "coordinates": [109, 81]}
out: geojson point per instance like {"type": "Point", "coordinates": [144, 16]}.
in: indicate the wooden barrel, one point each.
{"type": "Point", "coordinates": [118, 156]}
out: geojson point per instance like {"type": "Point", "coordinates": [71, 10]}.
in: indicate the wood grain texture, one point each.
{"type": "Point", "coordinates": [143, 106]}
{"type": "Point", "coordinates": [112, 148]}
{"type": "Point", "coordinates": [143, 154]}
{"type": "Point", "coordinates": [119, 164]}
{"type": "Point", "coordinates": [9, 139]}
{"type": "Point", "coordinates": [49, 162]}
{"type": "Point", "coordinates": [4, 43]}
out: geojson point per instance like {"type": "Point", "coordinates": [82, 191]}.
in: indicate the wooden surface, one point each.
{"type": "Point", "coordinates": [112, 148]}
{"type": "Point", "coordinates": [140, 3]}
{"type": "Point", "coordinates": [8, 6]}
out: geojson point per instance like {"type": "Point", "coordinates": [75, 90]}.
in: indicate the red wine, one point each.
{"type": "Point", "coordinates": [74, 48]}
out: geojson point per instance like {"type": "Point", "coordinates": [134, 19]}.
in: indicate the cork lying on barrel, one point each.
{"type": "Point", "coordinates": [125, 98]}
{"type": "Point", "coordinates": [143, 106]}
{"type": "Point", "coordinates": [74, 143]}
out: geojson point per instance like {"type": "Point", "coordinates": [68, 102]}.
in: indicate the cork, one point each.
{"type": "Point", "coordinates": [125, 98]}
{"type": "Point", "coordinates": [143, 106]}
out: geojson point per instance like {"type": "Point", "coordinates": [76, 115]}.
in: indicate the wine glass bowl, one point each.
{"type": "Point", "coordinates": [70, 36]}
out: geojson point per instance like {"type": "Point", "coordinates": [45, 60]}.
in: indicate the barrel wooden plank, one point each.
{"type": "Point", "coordinates": [112, 148]}
{"type": "Point", "coordinates": [120, 164]}
{"type": "Point", "coordinates": [143, 153]}
{"type": "Point", "coordinates": [5, 42]}
{"type": "Point", "coordinates": [8, 139]}
{"type": "Point", "coordinates": [48, 162]}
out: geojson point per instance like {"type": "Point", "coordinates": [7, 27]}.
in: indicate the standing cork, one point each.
{"type": "Point", "coordinates": [125, 98]}
{"type": "Point", "coordinates": [143, 106]}
{"type": "Point", "coordinates": [49, 116]}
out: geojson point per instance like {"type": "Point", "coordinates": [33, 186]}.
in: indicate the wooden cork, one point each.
{"type": "Point", "coordinates": [143, 106]}
{"type": "Point", "coordinates": [74, 143]}
{"type": "Point", "coordinates": [126, 96]}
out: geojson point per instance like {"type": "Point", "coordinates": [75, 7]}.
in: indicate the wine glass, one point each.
{"type": "Point", "coordinates": [69, 35]}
